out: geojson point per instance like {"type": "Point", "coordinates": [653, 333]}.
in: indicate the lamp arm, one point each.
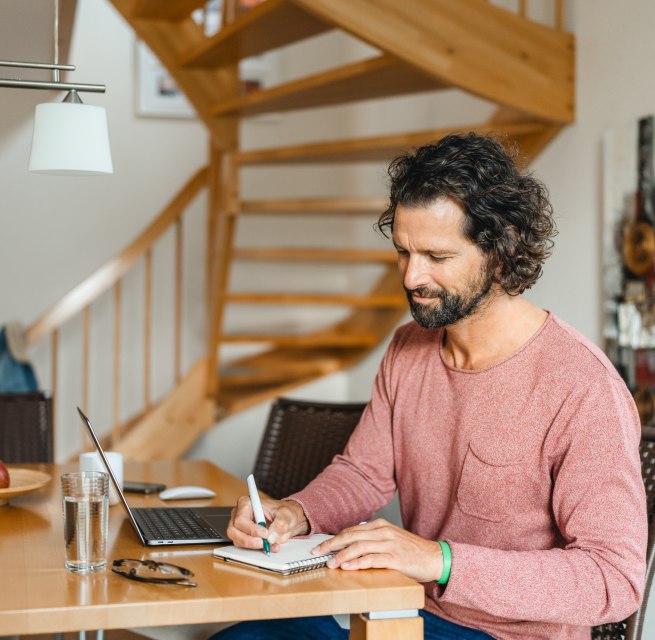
{"type": "Point", "coordinates": [57, 86]}
{"type": "Point", "coordinates": [42, 84]}
{"type": "Point", "coordinates": [36, 65]}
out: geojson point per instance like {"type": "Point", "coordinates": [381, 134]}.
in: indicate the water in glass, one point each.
{"type": "Point", "coordinates": [85, 503]}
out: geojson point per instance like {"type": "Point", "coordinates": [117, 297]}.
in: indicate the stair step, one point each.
{"type": "Point", "coordinates": [377, 148]}
{"type": "Point", "coordinates": [235, 377]}
{"type": "Point", "coordinates": [367, 301]}
{"type": "Point", "coordinates": [377, 77]}
{"type": "Point", "coordinates": [319, 339]}
{"type": "Point", "coordinates": [166, 9]}
{"type": "Point", "coordinates": [269, 25]}
{"type": "Point", "coordinates": [314, 255]}
{"type": "Point", "coordinates": [341, 206]}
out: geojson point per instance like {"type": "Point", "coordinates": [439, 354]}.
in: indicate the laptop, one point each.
{"type": "Point", "coordinates": [169, 525]}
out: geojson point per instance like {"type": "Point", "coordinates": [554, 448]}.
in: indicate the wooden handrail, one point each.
{"type": "Point", "coordinates": [112, 271]}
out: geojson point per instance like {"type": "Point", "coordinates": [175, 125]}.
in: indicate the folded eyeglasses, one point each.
{"type": "Point", "coordinates": [153, 571]}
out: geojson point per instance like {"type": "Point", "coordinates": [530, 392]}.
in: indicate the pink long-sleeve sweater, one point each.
{"type": "Point", "coordinates": [528, 468]}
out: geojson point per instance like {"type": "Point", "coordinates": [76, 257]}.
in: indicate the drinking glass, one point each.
{"type": "Point", "coordinates": [86, 506]}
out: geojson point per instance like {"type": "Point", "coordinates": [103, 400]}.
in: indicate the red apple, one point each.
{"type": "Point", "coordinates": [4, 476]}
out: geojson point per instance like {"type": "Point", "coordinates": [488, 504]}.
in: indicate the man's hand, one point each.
{"type": "Point", "coordinates": [382, 545]}
{"type": "Point", "coordinates": [286, 517]}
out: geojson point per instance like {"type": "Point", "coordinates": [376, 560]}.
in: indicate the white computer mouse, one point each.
{"type": "Point", "coordinates": [186, 493]}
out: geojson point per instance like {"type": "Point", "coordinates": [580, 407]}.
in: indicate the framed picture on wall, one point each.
{"type": "Point", "coordinates": [157, 94]}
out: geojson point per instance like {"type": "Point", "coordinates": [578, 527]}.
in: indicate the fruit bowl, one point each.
{"type": "Point", "coordinates": [23, 481]}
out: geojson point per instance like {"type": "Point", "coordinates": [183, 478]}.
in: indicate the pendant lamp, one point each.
{"type": "Point", "coordinates": [69, 137]}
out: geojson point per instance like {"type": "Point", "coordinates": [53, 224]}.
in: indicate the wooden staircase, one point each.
{"type": "Point", "coordinates": [523, 67]}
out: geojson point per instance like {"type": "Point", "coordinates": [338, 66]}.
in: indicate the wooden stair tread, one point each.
{"type": "Point", "coordinates": [377, 148]}
{"type": "Point", "coordinates": [247, 378]}
{"type": "Point", "coordinates": [319, 339]}
{"type": "Point", "coordinates": [269, 25]}
{"type": "Point", "coordinates": [377, 77]}
{"type": "Point", "coordinates": [274, 366]}
{"type": "Point", "coordinates": [166, 9]}
{"type": "Point", "coordinates": [357, 206]}
{"type": "Point", "coordinates": [315, 254]}
{"type": "Point", "coordinates": [348, 300]}
{"type": "Point", "coordinates": [255, 379]}
{"type": "Point", "coordinates": [476, 46]}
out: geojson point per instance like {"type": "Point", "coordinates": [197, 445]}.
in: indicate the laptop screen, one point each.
{"type": "Point", "coordinates": [115, 482]}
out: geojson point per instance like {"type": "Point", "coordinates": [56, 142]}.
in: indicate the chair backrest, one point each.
{"type": "Point", "coordinates": [26, 433]}
{"type": "Point", "coordinates": [633, 627]}
{"type": "Point", "coordinates": [300, 440]}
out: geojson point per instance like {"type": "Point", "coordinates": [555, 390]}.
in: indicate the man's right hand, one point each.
{"type": "Point", "coordinates": [285, 518]}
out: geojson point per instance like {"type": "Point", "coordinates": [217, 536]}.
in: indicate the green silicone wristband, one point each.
{"type": "Point", "coordinates": [447, 562]}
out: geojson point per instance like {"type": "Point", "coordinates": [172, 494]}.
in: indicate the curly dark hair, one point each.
{"type": "Point", "coordinates": [507, 212]}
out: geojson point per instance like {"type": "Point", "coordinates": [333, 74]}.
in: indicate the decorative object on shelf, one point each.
{"type": "Point", "coordinates": [629, 258]}
{"type": "Point", "coordinates": [70, 138]}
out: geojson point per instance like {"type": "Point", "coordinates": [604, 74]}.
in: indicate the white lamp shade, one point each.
{"type": "Point", "coordinates": [70, 139]}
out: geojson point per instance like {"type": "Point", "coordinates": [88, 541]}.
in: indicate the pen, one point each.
{"type": "Point", "coordinates": [258, 512]}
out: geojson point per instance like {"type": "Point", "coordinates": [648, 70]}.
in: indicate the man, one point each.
{"type": "Point", "coordinates": [511, 439]}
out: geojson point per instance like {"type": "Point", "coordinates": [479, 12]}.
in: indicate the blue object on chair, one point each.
{"type": "Point", "coordinates": [15, 376]}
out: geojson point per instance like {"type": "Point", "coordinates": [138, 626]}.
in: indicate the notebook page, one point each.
{"type": "Point", "coordinates": [294, 556]}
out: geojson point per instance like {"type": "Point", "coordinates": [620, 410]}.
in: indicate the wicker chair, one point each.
{"type": "Point", "coordinates": [300, 440]}
{"type": "Point", "coordinates": [26, 427]}
{"type": "Point", "coordinates": [633, 627]}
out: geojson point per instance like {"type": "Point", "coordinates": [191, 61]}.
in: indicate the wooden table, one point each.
{"type": "Point", "coordinates": [40, 596]}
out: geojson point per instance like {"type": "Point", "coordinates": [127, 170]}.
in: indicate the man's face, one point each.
{"type": "Point", "coordinates": [445, 275]}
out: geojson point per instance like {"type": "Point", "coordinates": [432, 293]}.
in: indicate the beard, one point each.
{"type": "Point", "coordinates": [449, 307]}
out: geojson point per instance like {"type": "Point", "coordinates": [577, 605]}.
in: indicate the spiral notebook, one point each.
{"type": "Point", "coordinates": [294, 556]}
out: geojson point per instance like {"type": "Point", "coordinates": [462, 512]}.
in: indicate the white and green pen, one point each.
{"type": "Point", "coordinates": [258, 512]}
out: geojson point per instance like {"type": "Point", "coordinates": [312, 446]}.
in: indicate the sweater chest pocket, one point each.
{"type": "Point", "coordinates": [491, 481]}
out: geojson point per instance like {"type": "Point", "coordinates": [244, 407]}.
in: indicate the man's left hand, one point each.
{"type": "Point", "coordinates": [382, 545]}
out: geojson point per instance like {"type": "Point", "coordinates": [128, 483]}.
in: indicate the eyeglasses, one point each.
{"type": "Point", "coordinates": [152, 571]}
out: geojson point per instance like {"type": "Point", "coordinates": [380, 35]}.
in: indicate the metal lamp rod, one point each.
{"type": "Point", "coordinates": [56, 86]}
{"type": "Point", "coordinates": [43, 84]}
{"type": "Point", "coordinates": [36, 65]}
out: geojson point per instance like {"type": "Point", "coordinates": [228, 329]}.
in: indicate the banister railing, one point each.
{"type": "Point", "coordinates": [107, 275]}
{"type": "Point", "coordinates": [112, 275]}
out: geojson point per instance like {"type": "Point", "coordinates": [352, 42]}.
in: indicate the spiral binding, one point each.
{"type": "Point", "coordinates": [307, 565]}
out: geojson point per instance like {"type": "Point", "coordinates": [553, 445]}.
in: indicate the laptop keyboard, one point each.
{"type": "Point", "coordinates": [174, 524]}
